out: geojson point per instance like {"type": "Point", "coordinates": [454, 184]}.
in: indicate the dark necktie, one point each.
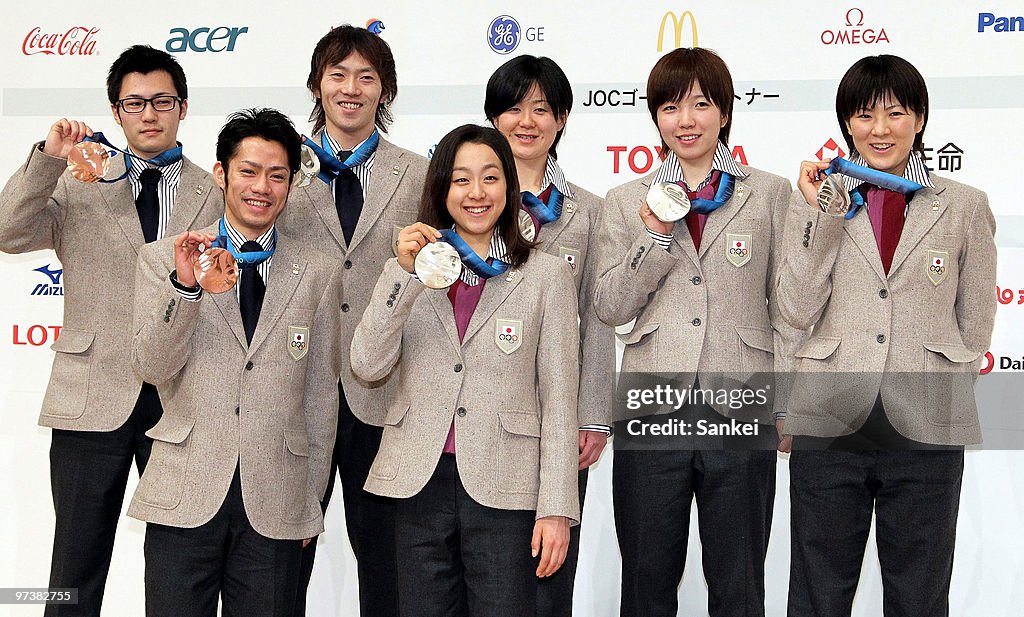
{"type": "Point", "coordinates": [250, 296]}
{"type": "Point", "coordinates": [695, 220]}
{"type": "Point", "coordinates": [148, 203]}
{"type": "Point", "coordinates": [886, 209]}
{"type": "Point", "coordinates": [348, 198]}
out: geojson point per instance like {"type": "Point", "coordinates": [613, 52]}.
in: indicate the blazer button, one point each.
{"type": "Point", "coordinates": [390, 303]}
{"type": "Point", "coordinates": [236, 411]}
{"type": "Point", "coordinates": [460, 412]}
{"type": "Point", "coordinates": [167, 319]}
{"type": "Point", "coordinates": [248, 365]}
{"type": "Point", "coordinates": [880, 338]}
{"type": "Point", "coordinates": [696, 321]}
{"type": "Point", "coordinates": [695, 280]}
{"type": "Point", "coordinates": [345, 307]}
{"type": "Point", "coordinates": [806, 243]}
{"type": "Point", "coordinates": [883, 293]}
{"type": "Point", "coordinates": [398, 287]}
{"type": "Point", "coordinates": [458, 368]}
{"type": "Point", "coordinates": [808, 225]}
{"type": "Point", "coordinates": [348, 265]}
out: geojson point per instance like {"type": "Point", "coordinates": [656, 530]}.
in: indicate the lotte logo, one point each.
{"type": "Point", "coordinates": [76, 41]}
{"type": "Point", "coordinates": [36, 335]}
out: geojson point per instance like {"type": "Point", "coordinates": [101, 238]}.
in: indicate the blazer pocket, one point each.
{"type": "Point", "coordinates": [295, 478]}
{"type": "Point", "coordinates": [820, 349]}
{"type": "Point", "coordinates": [756, 349]}
{"type": "Point", "coordinates": [389, 455]}
{"type": "Point", "coordinates": [72, 369]}
{"type": "Point", "coordinates": [163, 482]}
{"type": "Point", "coordinates": [948, 356]}
{"type": "Point", "coordinates": [641, 350]}
{"type": "Point", "coordinates": [519, 452]}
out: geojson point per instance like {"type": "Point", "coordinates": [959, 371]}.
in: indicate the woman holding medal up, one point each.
{"type": "Point", "coordinates": [699, 289]}
{"type": "Point", "coordinates": [895, 270]}
{"type": "Point", "coordinates": [528, 100]}
{"type": "Point", "coordinates": [480, 444]}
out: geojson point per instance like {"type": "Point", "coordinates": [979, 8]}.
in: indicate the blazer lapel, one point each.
{"type": "Point", "coordinates": [923, 212]}
{"type": "Point", "coordinates": [860, 230]}
{"type": "Point", "coordinates": [227, 304]}
{"type": "Point", "coordinates": [388, 169]}
{"type": "Point", "coordinates": [121, 203]}
{"type": "Point", "coordinates": [549, 233]}
{"type": "Point", "coordinates": [286, 272]}
{"type": "Point", "coordinates": [445, 313]}
{"type": "Point", "coordinates": [719, 219]}
{"type": "Point", "coordinates": [319, 194]}
{"type": "Point", "coordinates": [495, 291]}
{"type": "Point", "coordinates": [193, 191]}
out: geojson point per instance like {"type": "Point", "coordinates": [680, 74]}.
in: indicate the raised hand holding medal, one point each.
{"type": "Point", "coordinates": [187, 246]}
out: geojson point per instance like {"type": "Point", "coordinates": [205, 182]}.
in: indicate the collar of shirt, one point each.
{"type": "Point", "coordinates": [916, 171]}
{"type": "Point", "coordinates": [266, 239]}
{"type": "Point", "coordinates": [367, 164]}
{"type": "Point", "coordinates": [169, 174]}
{"type": "Point", "coordinates": [496, 250]}
{"type": "Point", "coordinates": [553, 175]}
{"type": "Point", "coordinates": [672, 171]}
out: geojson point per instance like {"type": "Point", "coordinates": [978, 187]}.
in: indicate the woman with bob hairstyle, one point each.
{"type": "Point", "coordinates": [479, 443]}
{"type": "Point", "coordinates": [528, 100]}
{"type": "Point", "coordinates": [700, 294]}
{"type": "Point", "coordinates": [895, 271]}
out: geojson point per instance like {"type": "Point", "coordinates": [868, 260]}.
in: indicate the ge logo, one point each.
{"type": "Point", "coordinates": [503, 34]}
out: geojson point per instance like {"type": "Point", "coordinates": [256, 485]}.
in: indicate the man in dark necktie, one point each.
{"type": "Point", "coordinates": [356, 217]}
{"type": "Point", "coordinates": [98, 408]}
{"type": "Point", "coordinates": [249, 383]}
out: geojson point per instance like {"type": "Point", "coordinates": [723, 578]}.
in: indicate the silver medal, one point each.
{"type": "Point", "coordinates": [668, 201]}
{"type": "Point", "coordinates": [438, 265]}
{"type": "Point", "coordinates": [309, 167]}
{"type": "Point", "coordinates": [833, 198]}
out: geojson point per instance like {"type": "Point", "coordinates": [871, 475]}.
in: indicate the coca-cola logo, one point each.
{"type": "Point", "coordinates": [76, 41]}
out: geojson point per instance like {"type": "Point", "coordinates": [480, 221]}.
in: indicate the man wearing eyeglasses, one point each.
{"type": "Point", "coordinates": [98, 408]}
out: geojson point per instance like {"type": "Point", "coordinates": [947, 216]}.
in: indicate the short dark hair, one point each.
{"type": "Point", "coordinates": [339, 44]}
{"type": "Point", "coordinates": [144, 59]}
{"type": "Point", "coordinates": [674, 75]}
{"type": "Point", "coordinates": [433, 203]}
{"type": "Point", "coordinates": [268, 124]}
{"type": "Point", "coordinates": [873, 79]}
{"type": "Point", "coordinates": [513, 80]}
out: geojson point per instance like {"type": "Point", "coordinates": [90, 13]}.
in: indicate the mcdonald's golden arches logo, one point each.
{"type": "Point", "coordinates": [677, 27]}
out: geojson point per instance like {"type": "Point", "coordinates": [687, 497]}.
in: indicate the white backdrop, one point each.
{"type": "Point", "coordinates": [786, 62]}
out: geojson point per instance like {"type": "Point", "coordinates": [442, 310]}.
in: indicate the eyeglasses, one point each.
{"type": "Point", "coordinates": [136, 105]}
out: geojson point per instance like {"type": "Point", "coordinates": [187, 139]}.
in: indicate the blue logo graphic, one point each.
{"type": "Point", "coordinates": [503, 34]}
{"type": "Point", "coordinates": [44, 289]}
{"type": "Point", "coordinates": [430, 152]}
{"type": "Point", "coordinates": [1000, 24]}
{"type": "Point", "coordinates": [375, 26]}
{"type": "Point", "coordinates": [216, 40]}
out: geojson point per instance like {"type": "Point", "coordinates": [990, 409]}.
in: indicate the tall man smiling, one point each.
{"type": "Point", "coordinates": [355, 213]}
{"type": "Point", "coordinates": [97, 407]}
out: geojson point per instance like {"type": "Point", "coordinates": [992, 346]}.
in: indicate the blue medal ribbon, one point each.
{"type": "Point", "coordinates": [726, 185]}
{"type": "Point", "coordinates": [243, 259]}
{"type": "Point", "coordinates": [470, 259]}
{"type": "Point", "coordinates": [873, 176]}
{"type": "Point", "coordinates": [330, 164]}
{"type": "Point", "coordinates": [163, 159]}
{"type": "Point", "coordinates": [544, 212]}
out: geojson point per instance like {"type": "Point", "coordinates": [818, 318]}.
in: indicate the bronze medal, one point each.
{"type": "Point", "coordinates": [88, 161]}
{"type": "Point", "coordinates": [215, 269]}
{"type": "Point", "coordinates": [309, 167]}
